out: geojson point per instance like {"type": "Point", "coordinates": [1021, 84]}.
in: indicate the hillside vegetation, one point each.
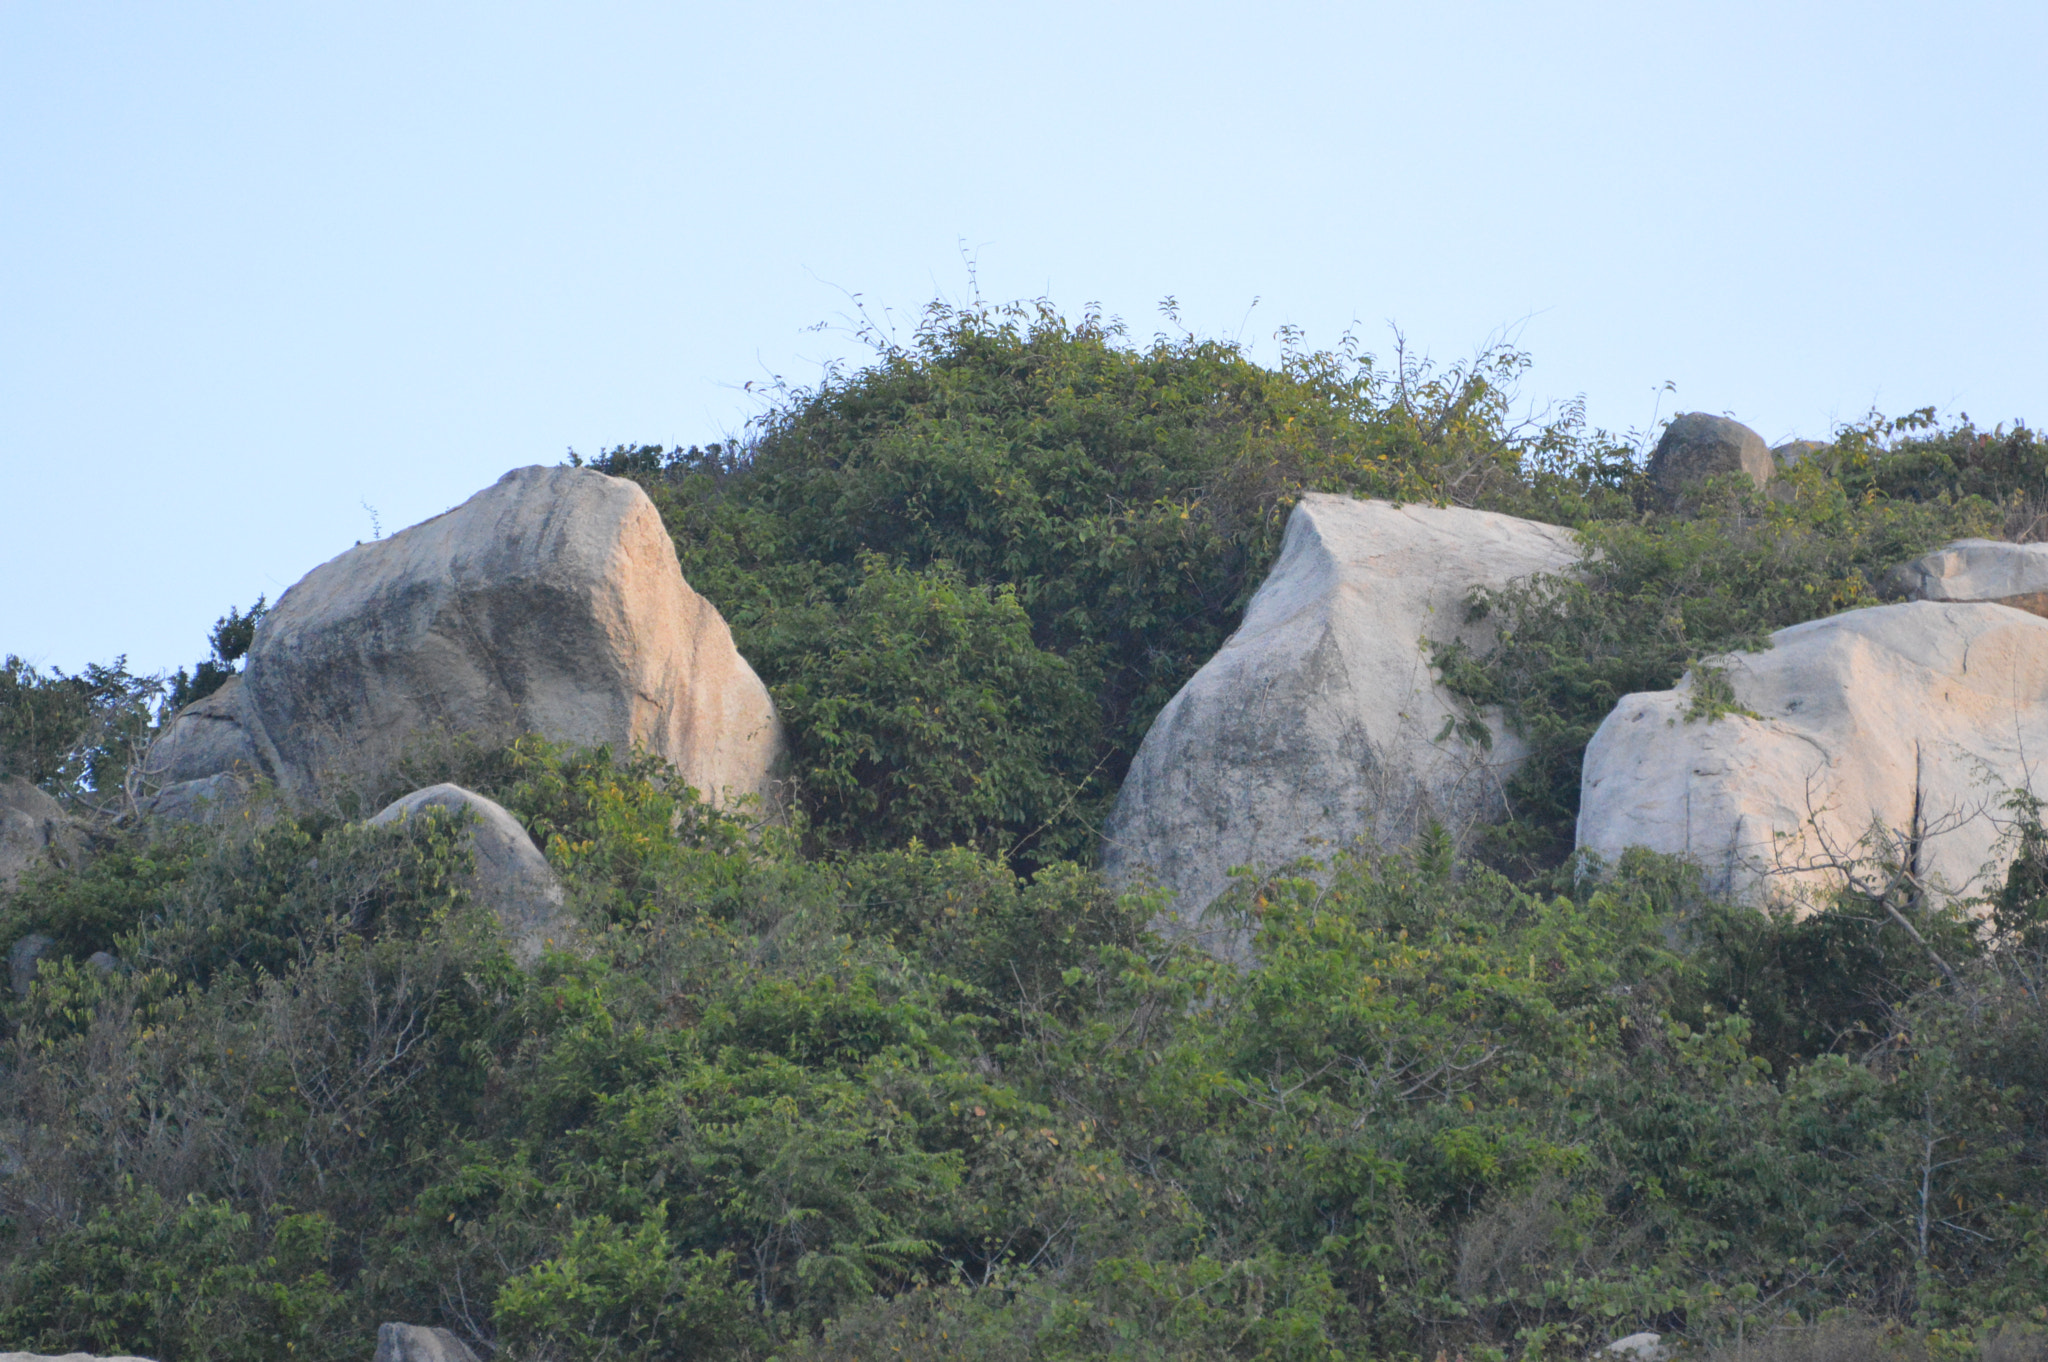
{"type": "Point", "coordinates": [902, 1079]}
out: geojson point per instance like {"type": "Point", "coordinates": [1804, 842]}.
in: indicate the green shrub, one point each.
{"type": "Point", "coordinates": [925, 711]}
{"type": "Point", "coordinates": [179, 1283]}
{"type": "Point", "coordinates": [612, 1293]}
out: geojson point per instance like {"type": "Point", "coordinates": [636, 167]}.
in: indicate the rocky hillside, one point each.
{"type": "Point", "coordinates": [1057, 849]}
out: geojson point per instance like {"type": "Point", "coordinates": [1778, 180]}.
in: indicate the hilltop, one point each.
{"type": "Point", "coordinates": [883, 1066]}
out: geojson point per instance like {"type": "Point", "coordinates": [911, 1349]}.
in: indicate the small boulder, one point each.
{"type": "Point", "coordinates": [549, 602]}
{"type": "Point", "coordinates": [205, 800]}
{"type": "Point", "coordinates": [512, 878]}
{"type": "Point", "coordinates": [24, 958]}
{"type": "Point", "coordinates": [1320, 721]}
{"type": "Point", "coordinates": [1643, 1347]}
{"type": "Point", "coordinates": [1772, 769]}
{"type": "Point", "coordinates": [1696, 446]}
{"type": "Point", "coordinates": [2014, 575]}
{"type": "Point", "coordinates": [33, 826]}
{"type": "Point", "coordinates": [1793, 453]}
{"type": "Point", "coordinates": [420, 1343]}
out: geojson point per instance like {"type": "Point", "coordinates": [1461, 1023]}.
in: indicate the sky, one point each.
{"type": "Point", "coordinates": [278, 278]}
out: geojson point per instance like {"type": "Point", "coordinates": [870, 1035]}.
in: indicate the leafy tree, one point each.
{"type": "Point", "coordinates": [231, 637]}
{"type": "Point", "coordinates": [74, 735]}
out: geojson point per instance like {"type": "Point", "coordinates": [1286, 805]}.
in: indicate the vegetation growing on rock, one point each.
{"type": "Point", "coordinates": [904, 1079]}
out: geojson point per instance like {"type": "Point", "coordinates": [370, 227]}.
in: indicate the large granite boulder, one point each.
{"type": "Point", "coordinates": [1978, 570]}
{"type": "Point", "coordinates": [1696, 446]}
{"type": "Point", "coordinates": [33, 828]}
{"type": "Point", "coordinates": [549, 602]}
{"type": "Point", "coordinates": [1320, 721]}
{"type": "Point", "coordinates": [1772, 769]}
{"type": "Point", "coordinates": [511, 877]}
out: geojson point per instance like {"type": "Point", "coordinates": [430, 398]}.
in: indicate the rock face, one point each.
{"type": "Point", "coordinates": [1320, 720]}
{"type": "Point", "coordinates": [216, 736]}
{"type": "Point", "coordinates": [32, 826]}
{"type": "Point", "coordinates": [549, 602]}
{"type": "Point", "coordinates": [1696, 446]}
{"type": "Point", "coordinates": [1979, 570]}
{"type": "Point", "coordinates": [418, 1343]}
{"type": "Point", "coordinates": [1921, 715]}
{"type": "Point", "coordinates": [511, 876]}
{"type": "Point", "coordinates": [66, 1357]}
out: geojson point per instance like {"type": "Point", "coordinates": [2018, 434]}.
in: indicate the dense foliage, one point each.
{"type": "Point", "coordinates": [906, 1103]}
{"type": "Point", "coordinates": [1124, 502]}
{"type": "Point", "coordinates": [904, 1079]}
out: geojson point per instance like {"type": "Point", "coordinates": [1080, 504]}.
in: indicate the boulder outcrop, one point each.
{"type": "Point", "coordinates": [1320, 720]}
{"type": "Point", "coordinates": [1772, 769]}
{"type": "Point", "coordinates": [511, 877]}
{"type": "Point", "coordinates": [549, 602]}
{"type": "Point", "coordinates": [33, 826]}
{"type": "Point", "coordinates": [1697, 446]}
{"type": "Point", "coordinates": [1991, 570]}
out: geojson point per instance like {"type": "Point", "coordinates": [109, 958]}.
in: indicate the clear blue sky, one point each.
{"type": "Point", "coordinates": [264, 265]}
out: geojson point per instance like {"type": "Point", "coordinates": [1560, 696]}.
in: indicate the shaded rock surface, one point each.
{"type": "Point", "coordinates": [1992, 570]}
{"type": "Point", "coordinates": [1917, 716]}
{"type": "Point", "coordinates": [68, 1357]}
{"type": "Point", "coordinates": [549, 602]}
{"type": "Point", "coordinates": [420, 1343]}
{"type": "Point", "coordinates": [201, 801]}
{"type": "Point", "coordinates": [219, 735]}
{"type": "Point", "coordinates": [1320, 720]}
{"type": "Point", "coordinates": [24, 958]}
{"type": "Point", "coordinates": [512, 878]}
{"type": "Point", "coordinates": [32, 827]}
{"type": "Point", "coordinates": [1793, 453]}
{"type": "Point", "coordinates": [1697, 446]}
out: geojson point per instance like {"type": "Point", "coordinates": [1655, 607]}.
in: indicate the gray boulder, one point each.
{"type": "Point", "coordinates": [418, 1343]}
{"type": "Point", "coordinates": [24, 958]}
{"type": "Point", "coordinates": [33, 828]}
{"type": "Point", "coordinates": [1793, 453]}
{"type": "Point", "coordinates": [549, 602]}
{"type": "Point", "coordinates": [206, 800]}
{"type": "Point", "coordinates": [1643, 1347]}
{"type": "Point", "coordinates": [2014, 575]}
{"type": "Point", "coordinates": [512, 878]}
{"type": "Point", "coordinates": [1847, 735]}
{"type": "Point", "coordinates": [219, 735]}
{"type": "Point", "coordinates": [1320, 721]}
{"type": "Point", "coordinates": [67, 1357]}
{"type": "Point", "coordinates": [1696, 446]}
